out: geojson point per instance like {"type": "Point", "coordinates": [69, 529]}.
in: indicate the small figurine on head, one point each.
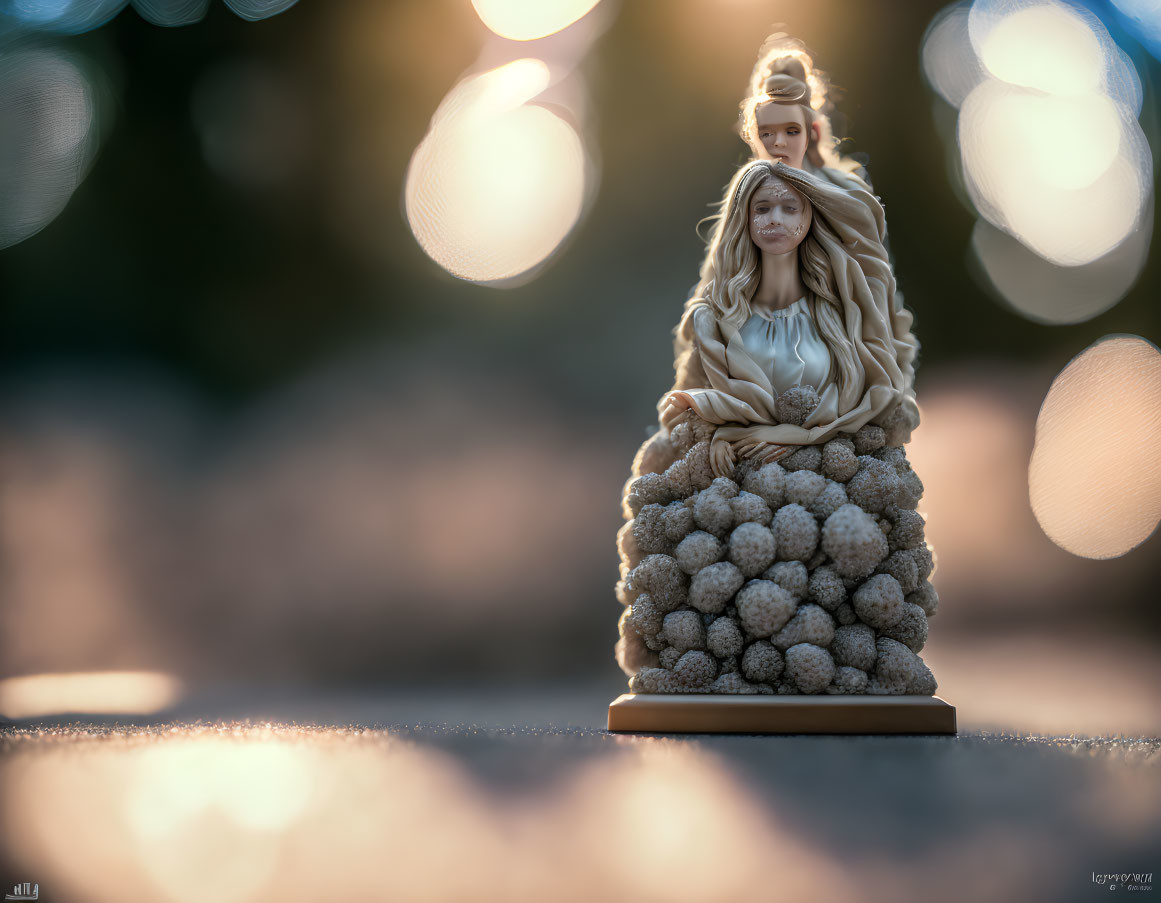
{"type": "Point", "coordinates": [785, 115]}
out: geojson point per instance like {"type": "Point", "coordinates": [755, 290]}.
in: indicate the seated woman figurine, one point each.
{"type": "Point", "coordinates": [796, 290]}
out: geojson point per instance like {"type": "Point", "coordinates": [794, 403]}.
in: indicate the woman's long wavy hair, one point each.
{"type": "Point", "coordinates": [733, 268]}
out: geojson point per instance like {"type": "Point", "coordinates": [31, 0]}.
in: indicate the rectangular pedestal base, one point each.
{"type": "Point", "coordinates": [696, 713]}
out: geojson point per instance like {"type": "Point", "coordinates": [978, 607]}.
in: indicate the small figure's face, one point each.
{"type": "Point", "coordinates": [779, 217]}
{"type": "Point", "coordinates": [782, 133]}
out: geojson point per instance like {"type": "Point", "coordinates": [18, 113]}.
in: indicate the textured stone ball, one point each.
{"type": "Point", "coordinates": [764, 607]}
{"type": "Point", "coordinates": [762, 662]}
{"type": "Point", "coordinates": [910, 490]}
{"type": "Point", "coordinates": [769, 483]}
{"type": "Point", "coordinates": [751, 548]}
{"type": "Point", "coordinates": [696, 669]}
{"type": "Point", "coordinates": [655, 454]}
{"type": "Point", "coordinates": [792, 576]}
{"type": "Point", "coordinates": [875, 487]}
{"type": "Point", "coordinates": [803, 487]}
{"type": "Point", "coordinates": [684, 630]}
{"type": "Point", "coordinates": [907, 531]}
{"type": "Point", "coordinates": [699, 550]}
{"type": "Point", "coordinates": [714, 586]}
{"type": "Point", "coordinates": [911, 629]}
{"type": "Point", "coordinates": [845, 613]}
{"type": "Point", "coordinates": [826, 587]}
{"type": "Point", "coordinates": [899, 422]}
{"type": "Point", "coordinates": [902, 567]}
{"type": "Point", "coordinates": [854, 645]}
{"type": "Point", "coordinates": [627, 546]}
{"type": "Point", "coordinates": [879, 601]}
{"type": "Point", "coordinates": [697, 460]}
{"type": "Point", "coordinates": [703, 430]}
{"type": "Point", "coordinates": [749, 507]}
{"type": "Point", "coordinates": [869, 438]}
{"type": "Point", "coordinates": [712, 512]}
{"type": "Point", "coordinates": [839, 461]}
{"type": "Point", "coordinates": [853, 540]}
{"type": "Point", "coordinates": [668, 657]}
{"type": "Point", "coordinates": [926, 598]}
{"type": "Point", "coordinates": [661, 578]}
{"type": "Point", "coordinates": [924, 561]}
{"type": "Point", "coordinates": [848, 680]}
{"type": "Point", "coordinates": [795, 532]}
{"type": "Point", "coordinates": [724, 638]}
{"type": "Point", "coordinates": [899, 671]}
{"type": "Point", "coordinates": [808, 457]}
{"type": "Point", "coordinates": [677, 522]}
{"type": "Point", "coordinates": [647, 489]}
{"type": "Point", "coordinates": [725, 487]}
{"type": "Point", "coordinates": [678, 480]}
{"type": "Point", "coordinates": [810, 624]}
{"type": "Point", "coordinates": [832, 497]}
{"type": "Point", "coordinates": [631, 652]}
{"type": "Point", "coordinates": [732, 684]}
{"type": "Point", "coordinates": [649, 530]}
{"type": "Point", "coordinates": [645, 617]}
{"type": "Point", "coordinates": [681, 437]}
{"type": "Point", "coordinates": [896, 457]}
{"type": "Point", "coordinates": [655, 680]}
{"type": "Point", "coordinates": [795, 404]}
{"type": "Point", "coordinates": [810, 667]}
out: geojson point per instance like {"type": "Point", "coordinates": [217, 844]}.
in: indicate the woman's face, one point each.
{"type": "Point", "coordinates": [782, 133]}
{"type": "Point", "coordinates": [779, 217]}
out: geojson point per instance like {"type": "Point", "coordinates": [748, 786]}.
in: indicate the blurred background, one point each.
{"type": "Point", "coordinates": [329, 332]}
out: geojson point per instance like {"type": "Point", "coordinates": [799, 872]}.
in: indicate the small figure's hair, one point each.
{"type": "Point", "coordinates": [785, 74]}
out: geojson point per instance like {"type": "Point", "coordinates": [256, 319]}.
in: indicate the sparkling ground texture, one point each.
{"type": "Point", "coordinates": [516, 795]}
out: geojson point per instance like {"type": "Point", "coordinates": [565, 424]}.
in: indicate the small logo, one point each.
{"type": "Point", "coordinates": [1129, 881]}
{"type": "Point", "coordinates": [24, 891]}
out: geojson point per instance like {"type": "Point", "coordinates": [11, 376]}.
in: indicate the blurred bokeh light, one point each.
{"type": "Point", "coordinates": [1051, 150]}
{"type": "Point", "coordinates": [1062, 57]}
{"type": "Point", "coordinates": [1143, 18]}
{"type": "Point", "coordinates": [79, 16]}
{"type": "Point", "coordinates": [527, 20]}
{"type": "Point", "coordinates": [1070, 206]}
{"type": "Point", "coordinates": [1051, 294]}
{"type": "Point", "coordinates": [95, 692]}
{"type": "Point", "coordinates": [1095, 475]}
{"type": "Point", "coordinates": [949, 62]}
{"type": "Point", "coordinates": [48, 137]}
{"type": "Point", "coordinates": [498, 182]}
{"type": "Point", "coordinates": [171, 13]}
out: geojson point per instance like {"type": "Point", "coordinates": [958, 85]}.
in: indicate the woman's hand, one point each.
{"type": "Point", "coordinates": [762, 452]}
{"type": "Point", "coordinates": [722, 458]}
{"type": "Point", "coordinates": [676, 407]}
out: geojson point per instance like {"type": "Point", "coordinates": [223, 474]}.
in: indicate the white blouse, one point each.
{"type": "Point", "coordinates": [786, 345]}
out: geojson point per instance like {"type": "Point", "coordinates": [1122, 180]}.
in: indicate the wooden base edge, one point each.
{"type": "Point", "coordinates": [706, 713]}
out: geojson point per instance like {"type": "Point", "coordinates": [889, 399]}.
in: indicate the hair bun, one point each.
{"type": "Point", "coordinates": [783, 88]}
{"type": "Point", "coordinates": [789, 65]}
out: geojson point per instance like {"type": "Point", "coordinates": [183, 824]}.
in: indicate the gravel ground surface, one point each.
{"type": "Point", "coordinates": [481, 795]}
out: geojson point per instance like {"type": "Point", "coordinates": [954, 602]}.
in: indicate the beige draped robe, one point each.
{"type": "Point", "coordinates": [721, 382]}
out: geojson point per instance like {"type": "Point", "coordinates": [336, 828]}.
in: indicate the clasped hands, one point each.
{"type": "Point", "coordinates": [724, 455]}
